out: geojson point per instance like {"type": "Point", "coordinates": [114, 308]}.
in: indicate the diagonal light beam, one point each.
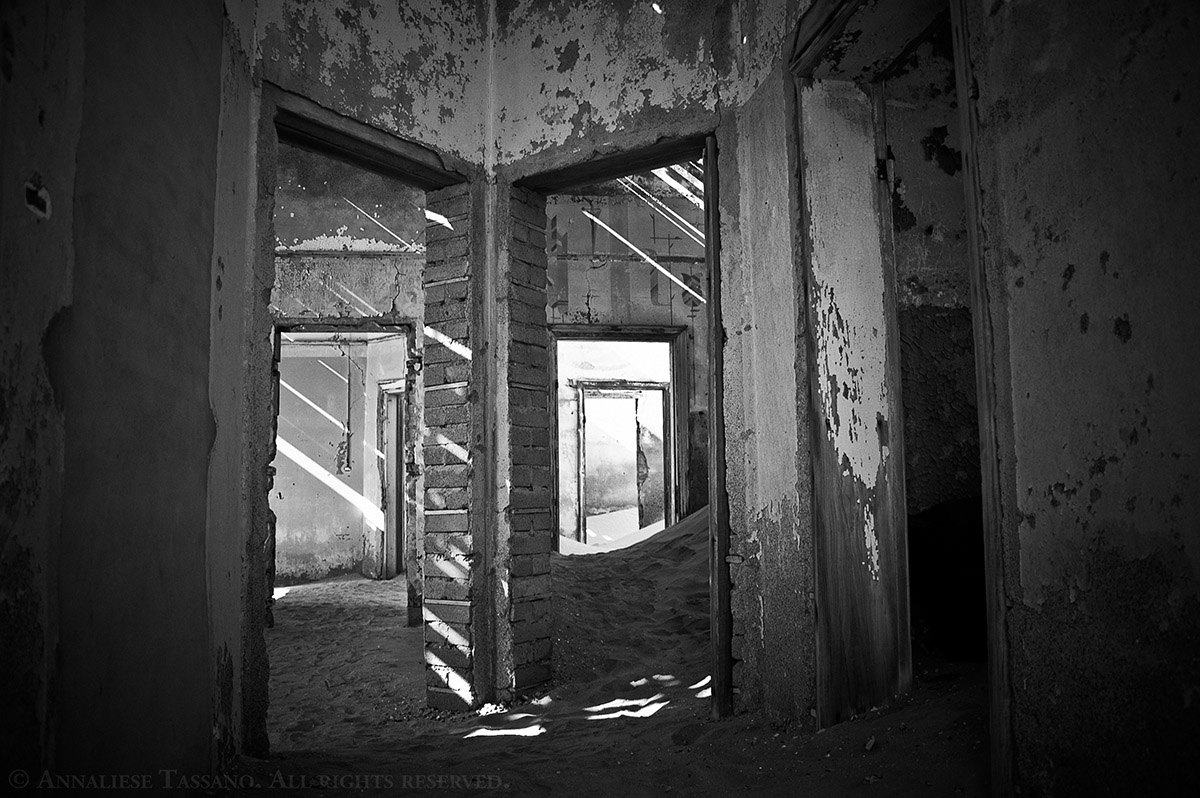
{"type": "Point", "coordinates": [313, 405]}
{"type": "Point", "coordinates": [664, 210]}
{"type": "Point", "coordinates": [448, 342]}
{"type": "Point", "coordinates": [438, 218]}
{"type": "Point", "coordinates": [371, 514]}
{"type": "Point", "coordinates": [688, 176]}
{"type": "Point", "coordinates": [385, 228]}
{"type": "Point", "coordinates": [364, 302]}
{"type": "Point", "coordinates": [665, 176]}
{"type": "Point", "coordinates": [333, 371]}
{"type": "Point", "coordinates": [645, 257]}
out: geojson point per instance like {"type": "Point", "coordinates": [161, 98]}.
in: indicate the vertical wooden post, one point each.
{"type": "Point", "coordinates": [999, 711]}
{"type": "Point", "coordinates": [718, 500]}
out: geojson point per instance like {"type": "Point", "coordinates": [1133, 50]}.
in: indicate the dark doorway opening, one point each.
{"type": "Point", "coordinates": [898, 62]}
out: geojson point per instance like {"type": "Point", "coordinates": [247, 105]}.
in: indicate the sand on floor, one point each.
{"type": "Point", "coordinates": [627, 714]}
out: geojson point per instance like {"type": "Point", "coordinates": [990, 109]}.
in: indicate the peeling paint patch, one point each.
{"type": "Point", "coordinates": [568, 56]}
{"type": "Point", "coordinates": [871, 542]}
{"type": "Point", "coordinates": [847, 293]}
{"type": "Point", "coordinates": [1122, 328]}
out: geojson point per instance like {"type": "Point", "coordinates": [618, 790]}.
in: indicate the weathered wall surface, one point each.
{"type": "Point", "coordinates": [1089, 186]}
{"type": "Point", "coordinates": [316, 285]}
{"type": "Point", "coordinates": [859, 521]}
{"type": "Point", "coordinates": [415, 69]}
{"type": "Point", "coordinates": [41, 89]}
{"type": "Point", "coordinates": [768, 472]}
{"type": "Point", "coordinates": [941, 428]}
{"type": "Point", "coordinates": [575, 74]}
{"type": "Point", "coordinates": [231, 279]}
{"type": "Point", "coordinates": [133, 600]}
{"type": "Point", "coordinates": [575, 78]}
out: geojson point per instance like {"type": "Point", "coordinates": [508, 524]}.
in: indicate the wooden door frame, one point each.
{"type": "Point", "coordinates": [817, 28]}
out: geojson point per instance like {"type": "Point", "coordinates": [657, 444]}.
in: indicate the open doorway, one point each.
{"type": "Point", "coordinates": [339, 472]}
{"type": "Point", "coordinates": [880, 125]}
{"type": "Point", "coordinates": [616, 480]}
{"type": "Point", "coordinates": [345, 644]}
{"type": "Point", "coordinates": [942, 477]}
{"type": "Point", "coordinates": [626, 268]}
{"type": "Point", "coordinates": [629, 322]}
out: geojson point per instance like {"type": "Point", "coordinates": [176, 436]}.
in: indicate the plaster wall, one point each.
{"type": "Point", "coordinates": [318, 533]}
{"type": "Point", "coordinates": [41, 96]}
{"type": "Point", "coordinates": [572, 79]}
{"type": "Point", "coordinates": [132, 595]}
{"type": "Point", "coordinates": [1088, 255]}
{"type": "Point", "coordinates": [768, 473]}
{"type": "Point", "coordinates": [231, 279]}
{"type": "Point", "coordinates": [415, 69]}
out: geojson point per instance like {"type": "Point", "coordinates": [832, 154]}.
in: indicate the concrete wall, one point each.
{"type": "Point", "coordinates": [41, 97]}
{"type": "Point", "coordinates": [577, 78]}
{"type": "Point", "coordinates": [231, 277]}
{"type": "Point", "coordinates": [1089, 199]}
{"type": "Point", "coordinates": [118, 396]}
{"type": "Point", "coordinates": [416, 69]}
{"type": "Point", "coordinates": [768, 469]}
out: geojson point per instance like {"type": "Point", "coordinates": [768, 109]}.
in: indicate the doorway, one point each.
{"type": "Point", "coordinates": [616, 442]}
{"type": "Point", "coordinates": [338, 497]}
{"type": "Point", "coordinates": [881, 118]}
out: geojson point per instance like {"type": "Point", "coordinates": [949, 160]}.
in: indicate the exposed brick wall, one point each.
{"type": "Point", "coordinates": [450, 591]}
{"type": "Point", "coordinates": [530, 423]}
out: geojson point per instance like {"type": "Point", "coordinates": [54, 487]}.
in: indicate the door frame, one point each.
{"type": "Point", "coordinates": [405, 522]}
{"type": "Point", "coordinates": [669, 424]}
{"type": "Point", "coordinates": [817, 29]}
{"type": "Point", "coordinates": [681, 375]}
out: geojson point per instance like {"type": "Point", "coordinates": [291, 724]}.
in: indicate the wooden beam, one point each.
{"type": "Point", "coordinates": [303, 123]}
{"type": "Point", "coordinates": [610, 167]}
{"type": "Point", "coordinates": [720, 608]}
{"type": "Point", "coordinates": [895, 502]}
{"type": "Point", "coordinates": [999, 709]}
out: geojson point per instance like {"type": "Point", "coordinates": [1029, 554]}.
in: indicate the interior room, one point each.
{"type": "Point", "coordinates": [328, 459]}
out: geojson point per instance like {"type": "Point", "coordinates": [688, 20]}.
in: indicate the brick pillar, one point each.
{"type": "Point", "coordinates": [530, 438]}
{"type": "Point", "coordinates": [487, 448]}
{"type": "Point", "coordinates": [454, 603]}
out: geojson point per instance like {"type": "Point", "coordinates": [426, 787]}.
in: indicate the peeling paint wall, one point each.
{"type": "Point", "coordinates": [415, 69]}
{"type": "Point", "coordinates": [576, 74]}
{"type": "Point", "coordinates": [861, 583]}
{"type": "Point", "coordinates": [1088, 171]}
{"type": "Point", "coordinates": [768, 472]}
{"type": "Point", "coordinates": [576, 78]}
